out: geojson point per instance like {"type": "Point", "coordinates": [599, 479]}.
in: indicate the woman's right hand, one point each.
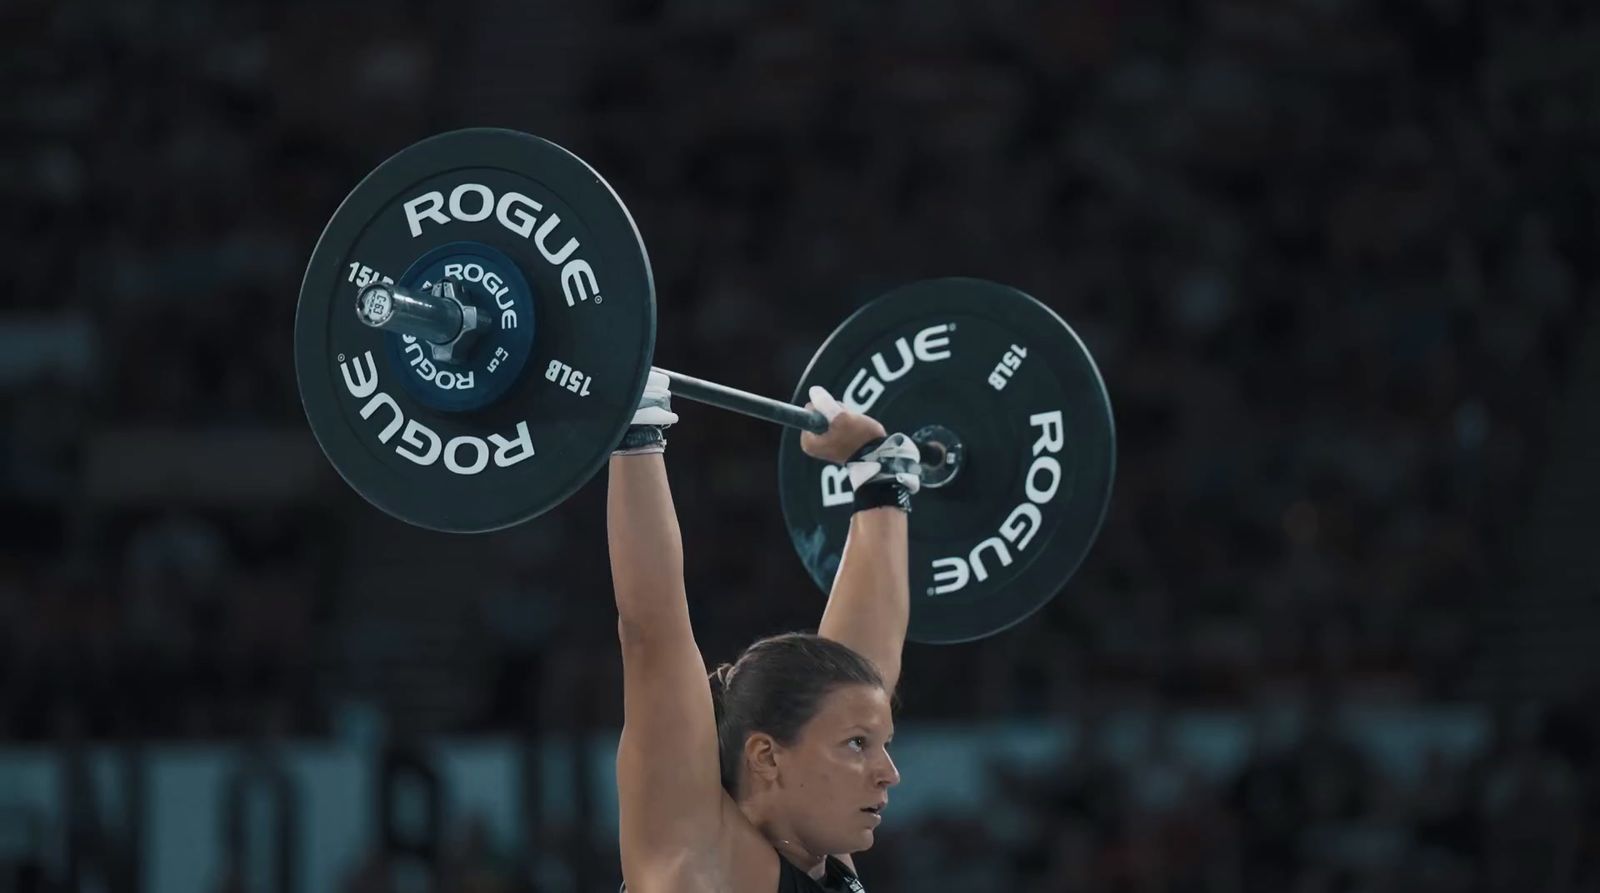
{"type": "Point", "coordinates": [847, 431]}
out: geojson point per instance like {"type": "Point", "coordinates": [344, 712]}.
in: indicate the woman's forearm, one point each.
{"type": "Point", "coordinates": [645, 542]}
{"type": "Point", "coordinates": [869, 606]}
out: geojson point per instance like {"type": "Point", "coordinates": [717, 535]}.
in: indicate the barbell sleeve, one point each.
{"type": "Point", "coordinates": [415, 313]}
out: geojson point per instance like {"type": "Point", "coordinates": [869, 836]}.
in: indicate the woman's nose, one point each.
{"type": "Point", "coordinates": [889, 776]}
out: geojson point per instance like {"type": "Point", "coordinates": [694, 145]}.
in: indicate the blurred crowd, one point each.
{"type": "Point", "coordinates": [1311, 811]}
{"type": "Point", "coordinates": [1315, 812]}
{"type": "Point", "coordinates": [1329, 257]}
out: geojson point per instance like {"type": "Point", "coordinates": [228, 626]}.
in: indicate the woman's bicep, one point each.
{"type": "Point", "coordinates": [669, 788]}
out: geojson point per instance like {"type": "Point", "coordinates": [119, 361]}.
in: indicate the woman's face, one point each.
{"type": "Point", "coordinates": [836, 777]}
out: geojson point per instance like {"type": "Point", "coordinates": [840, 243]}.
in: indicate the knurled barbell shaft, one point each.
{"type": "Point", "coordinates": [765, 408]}
{"type": "Point", "coordinates": [755, 405]}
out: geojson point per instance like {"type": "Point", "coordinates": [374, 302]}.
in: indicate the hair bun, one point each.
{"type": "Point", "coordinates": [719, 679]}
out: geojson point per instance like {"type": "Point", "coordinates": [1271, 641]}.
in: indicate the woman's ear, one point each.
{"type": "Point", "coordinates": [761, 758]}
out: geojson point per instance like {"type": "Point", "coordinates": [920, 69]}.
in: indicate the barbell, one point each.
{"type": "Point", "coordinates": [478, 318]}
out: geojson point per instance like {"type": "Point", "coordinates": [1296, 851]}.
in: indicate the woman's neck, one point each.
{"type": "Point", "coordinates": [785, 841]}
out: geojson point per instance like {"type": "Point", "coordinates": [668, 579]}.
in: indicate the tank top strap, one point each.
{"type": "Point", "coordinates": [840, 877]}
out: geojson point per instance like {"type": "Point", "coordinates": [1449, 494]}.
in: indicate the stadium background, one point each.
{"type": "Point", "coordinates": [1336, 259]}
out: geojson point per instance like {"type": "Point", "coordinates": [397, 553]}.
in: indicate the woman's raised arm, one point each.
{"type": "Point", "coordinates": [668, 783]}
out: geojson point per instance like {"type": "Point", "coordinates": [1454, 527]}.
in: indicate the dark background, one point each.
{"type": "Point", "coordinates": [1336, 261]}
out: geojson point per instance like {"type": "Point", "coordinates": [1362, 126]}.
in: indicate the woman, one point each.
{"type": "Point", "coordinates": [770, 783]}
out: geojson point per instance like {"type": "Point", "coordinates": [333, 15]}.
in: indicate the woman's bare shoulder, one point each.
{"type": "Point", "coordinates": [742, 861]}
{"type": "Point", "coordinates": [676, 874]}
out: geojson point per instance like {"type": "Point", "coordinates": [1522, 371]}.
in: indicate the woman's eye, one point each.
{"type": "Point", "coordinates": [858, 743]}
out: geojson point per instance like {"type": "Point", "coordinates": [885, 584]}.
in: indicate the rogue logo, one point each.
{"type": "Point", "coordinates": [421, 444]}
{"type": "Point", "coordinates": [1039, 485]}
{"type": "Point", "coordinates": [492, 283]}
{"type": "Point", "coordinates": [473, 202]}
{"type": "Point", "coordinates": [443, 379]}
{"type": "Point", "coordinates": [928, 346]}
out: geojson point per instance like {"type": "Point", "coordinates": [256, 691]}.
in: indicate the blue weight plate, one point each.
{"type": "Point", "coordinates": [555, 404]}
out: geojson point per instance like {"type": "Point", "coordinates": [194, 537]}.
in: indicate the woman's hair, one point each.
{"type": "Point", "coordinates": [776, 687]}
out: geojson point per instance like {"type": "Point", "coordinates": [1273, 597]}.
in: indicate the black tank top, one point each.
{"type": "Point", "coordinates": [837, 879]}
